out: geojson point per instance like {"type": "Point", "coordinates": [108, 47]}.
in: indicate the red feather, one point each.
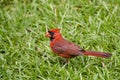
{"type": "Point", "coordinates": [68, 49]}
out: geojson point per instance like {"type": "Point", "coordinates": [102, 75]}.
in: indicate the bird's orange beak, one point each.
{"type": "Point", "coordinates": [47, 35]}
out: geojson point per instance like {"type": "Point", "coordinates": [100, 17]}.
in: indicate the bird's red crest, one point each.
{"type": "Point", "coordinates": [55, 30]}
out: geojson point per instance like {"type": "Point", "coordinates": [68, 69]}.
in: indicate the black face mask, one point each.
{"type": "Point", "coordinates": [52, 34]}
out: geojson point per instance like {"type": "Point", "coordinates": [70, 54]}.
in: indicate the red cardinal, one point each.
{"type": "Point", "coordinates": [67, 49]}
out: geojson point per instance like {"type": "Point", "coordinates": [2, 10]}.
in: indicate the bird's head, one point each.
{"type": "Point", "coordinates": [53, 34]}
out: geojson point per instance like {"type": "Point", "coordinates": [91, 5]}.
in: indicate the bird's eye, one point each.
{"type": "Point", "coordinates": [51, 33]}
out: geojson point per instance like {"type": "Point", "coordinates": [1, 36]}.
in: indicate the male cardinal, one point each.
{"type": "Point", "coordinates": [67, 49]}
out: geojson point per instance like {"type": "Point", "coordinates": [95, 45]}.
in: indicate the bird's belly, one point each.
{"type": "Point", "coordinates": [63, 54]}
{"type": "Point", "coordinates": [66, 55]}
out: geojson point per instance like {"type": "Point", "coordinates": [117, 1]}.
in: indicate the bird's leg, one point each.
{"type": "Point", "coordinates": [66, 60]}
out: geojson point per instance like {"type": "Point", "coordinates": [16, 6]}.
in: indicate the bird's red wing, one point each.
{"type": "Point", "coordinates": [65, 47]}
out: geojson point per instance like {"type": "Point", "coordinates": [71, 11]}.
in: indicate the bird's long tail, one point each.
{"type": "Point", "coordinates": [97, 54]}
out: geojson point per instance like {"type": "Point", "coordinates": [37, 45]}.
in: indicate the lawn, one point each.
{"type": "Point", "coordinates": [25, 53]}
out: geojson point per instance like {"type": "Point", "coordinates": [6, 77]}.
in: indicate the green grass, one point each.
{"type": "Point", "coordinates": [24, 50]}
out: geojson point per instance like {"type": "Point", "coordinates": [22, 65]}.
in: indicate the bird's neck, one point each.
{"type": "Point", "coordinates": [55, 40]}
